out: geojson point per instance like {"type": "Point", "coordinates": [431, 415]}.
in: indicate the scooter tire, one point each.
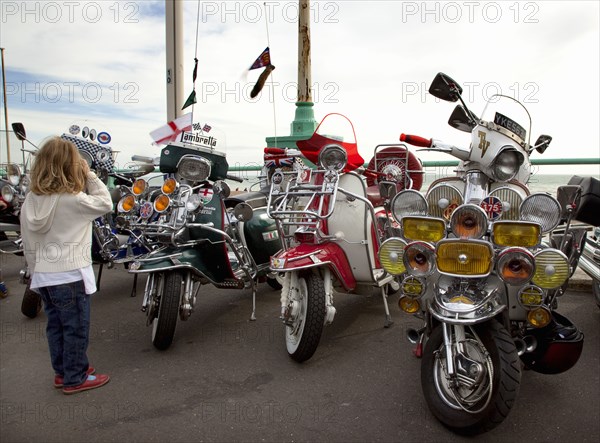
{"type": "Point", "coordinates": [272, 282]}
{"type": "Point", "coordinates": [313, 321]}
{"type": "Point", "coordinates": [163, 326]}
{"type": "Point", "coordinates": [31, 304]}
{"type": "Point", "coordinates": [506, 381]}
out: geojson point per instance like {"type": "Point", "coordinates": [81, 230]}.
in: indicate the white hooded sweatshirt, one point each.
{"type": "Point", "coordinates": [57, 228]}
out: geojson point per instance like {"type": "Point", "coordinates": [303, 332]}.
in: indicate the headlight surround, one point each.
{"type": "Point", "coordinates": [193, 168]}
{"type": "Point", "coordinates": [543, 209]}
{"type": "Point", "coordinates": [419, 259]}
{"type": "Point", "coordinates": [333, 157]}
{"type": "Point", "coordinates": [408, 203]}
{"type": "Point", "coordinates": [8, 193]}
{"type": "Point", "coordinates": [513, 233]}
{"type": "Point", "coordinates": [515, 266]}
{"type": "Point", "coordinates": [552, 269]}
{"type": "Point", "coordinates": [162, 202]}
{"type": "Point", "coordinates": [169, 186]}
{"type": "Point", "coordinates": [426, 229]}
{"type": "Point", "coordinates": [506, 165]}
{"type": "Point", "coordinates": [473, 258]}
{"type": "Point", "coordinates": [413, 286]}
{"type": "Point", "coordinates": [139, 186]}
{"type": "Point", "coordinates": [469, 221]}
{"type": "Point", "coordinates": [531, 297]}
{"type": "Point", "coordinates": [390, 256]}
{"type": "Point", "coordinates": [126, 204]}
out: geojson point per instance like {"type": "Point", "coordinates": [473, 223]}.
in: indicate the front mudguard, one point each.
{"type": "Point", "coordinates": [307, 256]}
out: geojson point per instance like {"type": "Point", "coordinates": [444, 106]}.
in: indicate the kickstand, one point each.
{"type": "Point", "coordinates": [253, 316]}
{"type": "Point", "coordinates": [99, 277]}
{"type": "Point", "coordinates": [388, 317]}
{"type": "Point", "coordinates": [134, 287]}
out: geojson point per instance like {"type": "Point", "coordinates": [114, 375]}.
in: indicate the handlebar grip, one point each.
{"type": "Point", "coordinates": [416, 140]}
{"type": "Point", "coordinates": [234, 178]}
{"type": "Point", "coordinates": [142, 159]}
{"type": "Point", "coordinates": [276, 151]}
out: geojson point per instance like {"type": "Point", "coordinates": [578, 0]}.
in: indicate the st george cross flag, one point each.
{"type": "Point", "coordinates": [263, 59]}
{"type": "Point", "coordinates": [171, 130]}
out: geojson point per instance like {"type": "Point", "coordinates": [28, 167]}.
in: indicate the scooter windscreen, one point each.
{"type": "Point", "coordinates": [337, 130]}
{"type": "Point", "coordinates": [509, 117]}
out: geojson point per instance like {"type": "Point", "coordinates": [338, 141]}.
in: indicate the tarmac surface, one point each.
{"type": "Point", "coordinates": [228, 379]}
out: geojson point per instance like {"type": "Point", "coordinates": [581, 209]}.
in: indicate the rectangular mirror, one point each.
{"type": "Point", "coordinates": [444, 88]}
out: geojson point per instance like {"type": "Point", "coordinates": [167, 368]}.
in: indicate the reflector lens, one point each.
{"type": "Point", "coordinates": [552, 269]}
{"type": "Point", "coordinates": [419, 259]}
{"type": "Point", "coordinates": [522, 234]}
{"type": "Point", "coordinates": [161, 203]}
{"type": "Point", "coordinates": [409, 305]}
{"type": "Point", "coordinates": [412, 286]}
{"type": "Point", "coordinates": [423, 228]}
{"type": "Point", "coordinates": [139, 186]}
{"type": "Point", "coordinates": [390, 256]}
{"type": "Point", "coordinates": [126, 204]}
{"type": "Point", "coordinates": [468, 221]}
{"type": "Point", "coordinates": [531, 297]}
{"type": "Point", "coordinates": [408, 202]}
{"type": "Point", "coordinates": [539, 317]}
{"type": "Point", "coordinates": [169, 186]}
{"type": "Point", "coordinates": [515, 266]}
{"type": "Point", "coordinates": [473, 258]}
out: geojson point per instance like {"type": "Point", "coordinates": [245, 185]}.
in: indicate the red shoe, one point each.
{"type": "Point", "coordinates": [59, 380]}
{"type": "Point", "coordinates": [92, 382]}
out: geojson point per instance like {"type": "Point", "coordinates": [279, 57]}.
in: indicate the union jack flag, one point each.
{"type": "Point", "coordinates": [206, 128]}
{"type": "Point", "coordinates": [277, 161]}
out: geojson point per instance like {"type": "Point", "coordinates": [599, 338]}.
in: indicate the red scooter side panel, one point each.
{"type": "Point", "coordinates": [309, 256]}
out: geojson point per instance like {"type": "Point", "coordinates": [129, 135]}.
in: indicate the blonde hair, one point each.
{"type": "Point", "coordinates": [58, 169]}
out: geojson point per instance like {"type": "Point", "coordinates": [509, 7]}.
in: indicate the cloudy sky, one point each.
{"type": "Point", "coordinates": [102, 63]}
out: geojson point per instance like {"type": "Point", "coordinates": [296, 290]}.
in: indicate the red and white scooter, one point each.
{"type": "Point", "coordinates": [332, 224]}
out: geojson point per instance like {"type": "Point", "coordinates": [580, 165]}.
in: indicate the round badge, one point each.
{"type": "Point", "coordinates": [85, 132]}
{"type": "Point", "coordinates": [104, 138]}
{"type": "Point", "coordinates": [74, 130]}
{"type": "Point", "coordinates": [102, 155]}
{"type": "Point", "coordinates": [206, 195]}
{"type": "Point", "coordinates": [492, 207]}
{"type": "Point", "coordinates": [92, 134]}
{"type": "Point", "coordinates": [146, 210]}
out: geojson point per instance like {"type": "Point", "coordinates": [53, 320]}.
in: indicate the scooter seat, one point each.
{"type": "Point", "coordinates": [374, 196]}
{"type": "Point", "coordinates": [254, 199]}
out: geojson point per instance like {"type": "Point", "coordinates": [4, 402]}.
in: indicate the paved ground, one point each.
{"type": "Point", "coordinates": [228, 379]}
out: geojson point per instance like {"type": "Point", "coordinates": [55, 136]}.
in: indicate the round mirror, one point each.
{"type": "Point", "coordinates": [243, 211]}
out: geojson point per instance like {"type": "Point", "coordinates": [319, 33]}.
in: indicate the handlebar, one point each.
{"type": "Point", "coordinates": [234, 178]}
{"type": "Point", "coordinates": [416, 140]}
{"type": "Point", "coordinates": [275, 151]}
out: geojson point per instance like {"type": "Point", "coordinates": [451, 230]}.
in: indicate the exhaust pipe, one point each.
{"type": "Point", "coordinates": [526, 344]}
{"type": "Point", "coordinates": [414, 335]}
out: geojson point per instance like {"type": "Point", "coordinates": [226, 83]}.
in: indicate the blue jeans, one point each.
{"type": "Point", "coordinates": [67, 308]}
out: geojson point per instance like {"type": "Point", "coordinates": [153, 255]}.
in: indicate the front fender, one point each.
{"type": "Point", "coordinates": [305, 256]}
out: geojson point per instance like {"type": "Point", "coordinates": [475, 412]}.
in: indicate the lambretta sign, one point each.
{"type": "Point", "coordinates": [199, 137]}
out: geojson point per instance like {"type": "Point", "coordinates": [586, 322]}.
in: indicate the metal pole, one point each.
{"type": "Point", "coordinates": [174, 50]}
{"type": "Point", "coordinates": [304, 74]}
{"type": "Point", "coordinates": [5, 107]}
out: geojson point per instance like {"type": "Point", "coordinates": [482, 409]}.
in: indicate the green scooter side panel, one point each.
{"type": "Point", "coordinates": [261, 236]}
{"type": "Point", "coordinates": [170, 155]}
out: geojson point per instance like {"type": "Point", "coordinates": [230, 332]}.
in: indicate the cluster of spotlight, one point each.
{"type": "Point", "coordinates": [469, 246]}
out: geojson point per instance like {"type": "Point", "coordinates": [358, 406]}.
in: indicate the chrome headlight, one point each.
{"type": "Point", "coordinates": [25, 183]}
{"type": "Point", "coordinates": [193, 202]}
{"type": "Point", "coordinates": [390, 256]}
{"type": "Point", "coordinates": [162, 202]}
{"type": "Point", "coordinates": [423, 228]}
{"type": "Point", "coordinates": [473, 258]}
{"type": "Point", "coordinates": [169, 186]}
{"type": "Point", "coordinates": [407, 203]}
{"type": "Point", "coordinates": [515, 266]}
{"type": "Point", "coordinates": [506, 165]}
{"type": "Point", "coordinates": [126, 204]}
{"type": "Point", "coordinates": [8, 193]}
{"type": "Point", "coordinates": [468, 221]}
{"type": "Point", "coordinates": [14, 173]}
{"type": "Point", "coordinates": [193, 168]}
{"type": "Point", "coordinates": [333, 157]}
{"type": "Point", "coordinates": [419, 259]}
{"type": "Point", "coordinates": [443, 199]}
{"type": "Point", "coordinates": [139, 186]}
{"type": "Point", "coordinates": [543, 209]}
{"type": "Point", "coordinates": [551, 269]}
{"type": "Point", "coordinates": [531, 297]}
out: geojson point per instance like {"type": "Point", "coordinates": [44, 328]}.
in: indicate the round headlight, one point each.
{"type": "Point", "coordinates": [169, 186]}
{"type": "Point", "coordinates": [161, 203]}
{"type": "Point", "coordinates": [390, 256]}
{"type": "Point", "coordinates": [408, 203]}
{"type": "Point", "coordinates": [14, 173]}
{"type": "Point", "coordinates": [469, 221]}
{"type": "Point", "coordinates": [419, 259]}
{"type": "Point", "coordinates": [193, 168]}
{"type": "Point", "coordinates": [531, 297]}
{"type": "Point", "coordinates": [506, 165]}
{"type": "Point", "coordinates": [87, 157]}
{"type": "Point", "coordinates": [193, 202]}
{"type": "Point", "coordinates": [551, 269]}
{"type": "Point", "coordinates": [8, 193]}
{"type": "Point", "coordinates": [515, 266]}
{"type": "Point", "coordinates": [543, 209]}
{"type": "Point", "coordinates": [126, 204]}
{"type": "Point", "coordinates": [333, 157]}
{"type": "Point", "coordinates": [139, 186]}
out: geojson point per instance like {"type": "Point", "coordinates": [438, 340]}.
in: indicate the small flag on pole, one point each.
{"type": "Point", "coordinates": [263, 59]}
{"type": "Point", "coordinates": [171, 130]}
{"type": "Point", "coordinates": [206, 128]}
{"type": "Point", "coordinates": [192, 98]}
